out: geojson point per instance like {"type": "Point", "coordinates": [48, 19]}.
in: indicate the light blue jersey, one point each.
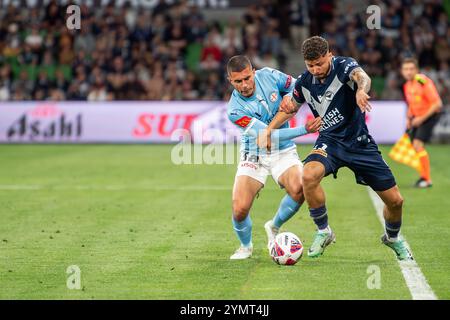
{"type": "Point", "coordinates": [271, 85]}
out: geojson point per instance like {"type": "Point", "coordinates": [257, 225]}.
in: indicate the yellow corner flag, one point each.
{"type": "Point", "coordinates": [404, 152]}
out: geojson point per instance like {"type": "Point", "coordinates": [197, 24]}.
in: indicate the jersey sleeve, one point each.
{"type": "Point", "coordinates": [405, 97]}
{"type": "Point", "coordinates": [348, 66]}
{"type": "Point", "coordinates": [239, 118]}
{"type": "Point", "coordinates": [256, 127]}
{"type": "Point", "coordinates": [285, 82]}
{"type": "Point", "coordinates": [430, 91]}
{"type": "Point", "coordinates": [297, 92]}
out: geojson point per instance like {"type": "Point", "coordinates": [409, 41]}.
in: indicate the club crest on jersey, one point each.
{"type": "Point", "coordinates": [273, 96]}
{"type": "Point", "coordinates": [243, 122]}
{"type": "Point", "coordinates": [329, 95]}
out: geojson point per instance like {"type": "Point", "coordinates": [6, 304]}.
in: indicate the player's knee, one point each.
{"type": "Point", "coordinates": [296, 191]}
{"type": "Point", "coordinates": [240, 210]}
{"type": "Point", "coordinates": [396, 203]}
{"type": "Point", "coordinates": [310, 177]}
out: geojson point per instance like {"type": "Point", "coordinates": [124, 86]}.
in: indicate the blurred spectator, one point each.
{"type": "Point", "coordinates": [271, 41]}
{"type": "Point", "coordinates": [98, 90]}
{"type": "Point", "coordinates": [34, 39]}
{"type": "Point", "coordinates": [155, 85]}
{"type": "Point", "coordinates": [4, 92]}
{"type": "Point", "coordinates": [173, 52]}
{"type": "Point", "coordinates": [57, 95]}
{"type": "Point", "coordinates": [268, 60]}
{"type": "Point", "coordinates": [232, 37]}
{"type": "Point", "coordinates": [211, 54]}
{"type": "Point", "coordinates": [408, 28]}
{"type": "Point", "coordinates": [85, 40]}
{"type": "Point", "coordinates": [23, 86]}
{"type": "Point", "coordinates": [299, 22]}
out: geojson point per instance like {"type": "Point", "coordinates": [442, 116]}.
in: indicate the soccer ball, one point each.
{"type": "Point", "coordinates": [287, 249]}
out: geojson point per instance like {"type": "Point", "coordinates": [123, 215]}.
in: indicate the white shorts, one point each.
{"type": "Point", "coordinates": [274, 164]}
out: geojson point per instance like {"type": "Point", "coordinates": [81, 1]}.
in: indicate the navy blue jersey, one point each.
{"type": "Point", "coordinates": [335, 101]}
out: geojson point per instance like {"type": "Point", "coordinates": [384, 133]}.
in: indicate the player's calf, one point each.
{"type": "Point", "coordinates": [312, 176]}
{"type": "Point", "coordinates": [392, 213]}
{"type": "Point", "coordinates": [393, 208]}
{"type": "Point", "coordinates": [242, 226]}
{"type": "Point", "coordinates": [287, 209]}
{"type": "Point", "coordinates": [243, 230]}
{"type": "Point", "coordinates": [393, 202]}
{"type": "Point", "coordinates": [240, 209]}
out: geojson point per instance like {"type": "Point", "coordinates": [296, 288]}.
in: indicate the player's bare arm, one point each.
{"type": "Point", "coordinates": [289, 105]}
{"type": "Point", "coordinates": [264, 139]}
{"type": "Point", "coordinates": [361, 78]}
{"type": "Point", "coordinates": [287, 109]}
{"type": "Point", "coordinates": [280, 118]}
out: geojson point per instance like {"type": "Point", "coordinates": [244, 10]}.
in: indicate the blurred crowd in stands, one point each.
{"type": "Point", "coordinates": [174, 53]}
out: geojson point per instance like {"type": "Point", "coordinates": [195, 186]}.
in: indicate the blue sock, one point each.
{"type": "Point", "coordinates": [320, 217]}
{"type": "Point", "coordinates": [288, 207]}
{"type": "Point", "coordinates": [392, 228]}
{"type": "Point", "coordinates": [243, 230]}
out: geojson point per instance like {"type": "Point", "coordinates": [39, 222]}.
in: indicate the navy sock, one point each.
{"type": "Point", "coordinates": [319, 216]}
{"type": "Point", "coordinates": [392, 228]}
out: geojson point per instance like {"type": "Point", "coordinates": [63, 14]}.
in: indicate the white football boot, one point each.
{"type": "Point", "coordinates": [242, 253]}
{"type": "Point", "coordinates": [271, 232]}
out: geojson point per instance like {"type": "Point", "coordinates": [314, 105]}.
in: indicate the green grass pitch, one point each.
{"type": "Point", "coordinates": [140, 227]}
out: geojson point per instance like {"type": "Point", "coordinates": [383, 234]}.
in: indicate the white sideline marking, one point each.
{"type": "Point", "coordinates": [414, 278]}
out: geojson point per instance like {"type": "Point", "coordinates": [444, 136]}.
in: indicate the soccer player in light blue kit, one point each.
{"type": "Point", "coordinates": [253, 104]}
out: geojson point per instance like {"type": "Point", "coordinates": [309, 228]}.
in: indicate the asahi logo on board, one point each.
{"type": "Point", "coordinates": [46, 123]}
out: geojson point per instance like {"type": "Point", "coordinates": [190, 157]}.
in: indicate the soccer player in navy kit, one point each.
{"type": "Point", "coordinates": [336, 89]}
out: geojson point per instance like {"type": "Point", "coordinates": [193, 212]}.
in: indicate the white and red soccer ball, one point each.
{"type": "Point", "coordinates": [287, 249]}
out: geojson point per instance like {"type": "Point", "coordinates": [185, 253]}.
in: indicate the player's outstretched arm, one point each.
{"type": "Point", "coordinates": [265, 137]}
{"type": "Point", "coordinates": [288, 108]}
{"type": "Point", "coordinates": [360, 77]}
{"type": "Point", "coordinates": [291, 133]}
{"type": "Point", "coordinates": [258, 128]}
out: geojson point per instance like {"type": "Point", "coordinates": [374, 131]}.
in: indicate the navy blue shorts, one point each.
{"type": "Point", "coordinates": [365, 161]}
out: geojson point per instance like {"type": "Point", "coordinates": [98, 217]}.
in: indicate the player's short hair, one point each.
{"type": "Point", "coordinates": [315, 47]}
{"type": "Point", "coordinates": [411, 60]}
{"type": "Point", "coordinates": [238, 63]}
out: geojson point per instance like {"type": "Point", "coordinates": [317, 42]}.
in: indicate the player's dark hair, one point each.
{"type": "Point", "coordinates": [238, 63]}
{"type": "Point", "coordinates": [411, 60]}
{"type": "Point", "coordinates": [315, 47]}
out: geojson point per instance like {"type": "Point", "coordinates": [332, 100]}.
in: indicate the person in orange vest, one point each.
{"type": "Point", "coordinates": [424, 107]}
